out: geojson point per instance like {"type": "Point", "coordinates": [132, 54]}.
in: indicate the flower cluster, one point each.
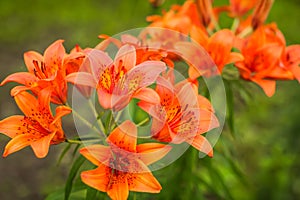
{"type": "Point", "coordinates": [146, 71]}
{"type": "Point", "coordinates": [142, 70]}
{"type": "Point", "coordinates": [256, 49]}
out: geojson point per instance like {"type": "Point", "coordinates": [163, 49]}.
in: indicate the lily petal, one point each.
{"type": "Point", "coordinates": [60, 112]}
{"type": "Point", "coordinates": [54, 54]}
{"type": "Point", "coordinates": [143, 74]}
{"type": "Point", "coordinates": [202, 144]}
{"type": "Point", "coordinates": [144, 182]}
{"type": "Point", "coordinates": [99, 61]}
{"type": "Point", "coordinates": [124, 136]}
{"type": "Point", "coordinates": [118, 189]}
{"type": "Point", "coordinates": [12, 126]}
{"type": "Point", "coordinates": [41, 147]}
{"type": "Point", "coordinates": [126, 55]}
{"type": "Point", "coordinates": [269, 86]}
{"type": "Point", "coordinates": [31, 56]}
{"type": "Point", "coordinates": [27, 103]}
{"type": "Point", "coordinates": [97, 154]}
{"type": "Point", "coordinates": [82, 78]}
{"type": "Point", "coordinates": [23, 78]}
{"type": "Point", "coordinates": [152, 152]}
{"type": "Point", "coordinates": [148, 95]}
{"type": "Point", "coordinates": [105, 99]}
{"type": "Point", "coordinates": [97, 178]}
{"type": "Point", "coordinates": [18, 143]}
{"type": "Point", "coordinates": [18, 89]}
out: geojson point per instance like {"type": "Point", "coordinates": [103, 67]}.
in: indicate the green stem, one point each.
{"type": "Point", "coordinates": [73, 141]}
{"type": "Point", "coordinates": [143, 122]}
{"type": "Point", "coordinates": [96, 115]}
{"type": "Point", "coordinates": [235, 24]}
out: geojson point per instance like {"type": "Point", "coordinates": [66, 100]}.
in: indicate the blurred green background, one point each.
{"type": "Point", "coordinates": [261, 162]}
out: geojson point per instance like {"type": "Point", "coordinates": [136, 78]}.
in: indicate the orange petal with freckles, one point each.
{"type": "Point", "coordinates": [44, 99]}
{"type": "Point", "coordinates": [12, 126]}
{"type": "Point", "coordinates": [97, 154]}
{"type": "Point", "coordinates": [31, 56]}
{"type": "Point", "coordinates": [161, 133]}
{"type": "Point", "coordinates": [124, 136]}
{"type": "Point", "coordinates": [18, 143]}
{"type": "Point", "coordinates": [143, 74]}
{"type": "Point", "coordinates": [126, 55]}
{"type": "Point", "coordinates": [144, 182]}
{"type": "Point", "coordinates": [269, 86]}
{"type": "Point", "coordinates": [41, 147]}
{"type": "Point", "coordinates": [98, 61]}
{"type": "Point", "coordinates": [202, 144]}
{"type": "Point", "coordinates": [97, 178]}
{"type": "Point", "coordinates": [23, 78]}
{"type": "Point", "coordinates": [54, 54]}
{"type": "Point", "coordinates": [152, 152]}
{"type": "Point", "coordinates": [118, 190]}
{"type": "Point", "coordinates": [27, 103]}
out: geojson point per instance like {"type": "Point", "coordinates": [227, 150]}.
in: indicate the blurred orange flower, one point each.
{"type": "Point", "coordinates": [122, 166]}
{"type": "Point", "coordinates": [43, 72]}
{"type": "Point", "coordinates": [266, 58]}
{"type": "Point", "coordinates": [38, 128]}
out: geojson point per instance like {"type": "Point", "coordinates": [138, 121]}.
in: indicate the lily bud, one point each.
{"type": "Point", "coordinates": [205, 11]}
{"type": "Point", "coordinates": [261, 12]}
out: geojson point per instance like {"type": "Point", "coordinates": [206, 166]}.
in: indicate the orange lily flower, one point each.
{"type": "Point", "coordinates": [218, 46]}
{"type": "Point", "coordinates": [181, 116]}
{"type": "Point", "coordinates": [122, 166]}
{"type": "Point", "coordinates": [43, 72]}
{"type": "Point", "coordinates": [175, 19]}
{"type": "Point", "coordinates": [38, 128]}
{"type": "Point", "coordinates": [239, 8]}
{"type": "Point", "coordinates": [118, 81]}
{"type": "Point", "coordinates": [74, 63]}
{"type": "Point", "coordinates": [291, 60]}
{"type": "Point", "coordinates": [263, 52]}
{"type": "Point", "coordinates": [145, 50]}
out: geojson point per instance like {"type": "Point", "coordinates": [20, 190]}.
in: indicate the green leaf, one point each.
{"type": "Point", "coordinates": [62, 155]}
{"type": "Point", "coordinates": [78, 189]}
{"type": "Point", "coordinates": [73, 172]}
{"type": "Point", "coordinates": [230, 107]}
{"type": "Point", "coordinates": [91, 193]}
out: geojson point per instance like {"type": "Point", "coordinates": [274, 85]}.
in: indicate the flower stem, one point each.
{"type": "Point", "coordinates": [235, 24]}
{"type": "Point", "coordinates": [96, 115]}
{"type": "Point", "coordinates": [143, 122]}
{"type": "Point", "coordinates": [73, 141]}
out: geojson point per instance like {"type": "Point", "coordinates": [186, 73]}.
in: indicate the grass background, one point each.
{"type": "Point", "coordinates": [261, 162]}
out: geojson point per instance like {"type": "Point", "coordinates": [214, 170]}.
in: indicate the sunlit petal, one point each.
{"type": "Point", "coordinates": [18, 143]}
{"type": "Point", "coordinates": [144, 182]}
{"type": "Point", "coordinates": [12, 126]}
{"type": "Point", "coordinates": [152, 152]}
{"type": "Point", "coordinates": [41, 146]}
{"type": "Point", "coordinates": [127, 56]}
{"type": "Point", "coordinates": [97, 154]}
{"type": "Point", "coordinates": [97, 178]}
{"type": "Point", "coordinates": [124, 136]}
